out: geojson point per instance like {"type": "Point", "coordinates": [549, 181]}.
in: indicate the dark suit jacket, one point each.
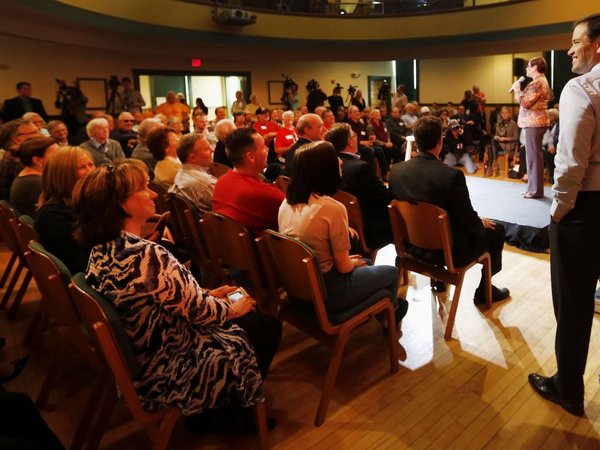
{"type": "Point", "coordinates": [425, 178]}
{"type": "Point", "coordinates": [13, 108]}
{"type": "Point", "coordinates": [360, 179]}
{"type": "Point", "coordinates": [289, 155]}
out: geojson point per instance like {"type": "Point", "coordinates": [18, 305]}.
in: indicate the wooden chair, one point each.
{"type": "Point", "coordinates": [296, 282]}
{"type": "Point", "coordinates": [53, 278]}
{"type": "Point", "coordinates": [7, 213]}
{"type": "Point", "coordinates": [112, 342]}
{"type": "Point", "coordinates": [160, 202]}
{"type": "Point", "coordinates": [282, 182]}
{"type": "Point", "coordinates": [231, 247]}
{"type": "Point", "coordinates": [355, 221]}
{"type": "Point", "coordinates": [25, 233]}
{"type": "Point", "coordinates": [188, 234]}
{"type": "Point", "coordinates": [427, 226]}
{"type": "Point", "coordinates": [217, 170]}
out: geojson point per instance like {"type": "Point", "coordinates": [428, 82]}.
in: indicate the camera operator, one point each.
{"type": "Point", "coordinates": [335, 100]}
{"type": "Point", "coordinates": [290, 96]}
{"type": "Point", "coordinates": [131, 100]}
{"type": "Point", "coordinates": [383, 94]}
{"type": "Point", "coordinates": [72, 103]}
{"type": "Point", "coordinates": [316, 97]}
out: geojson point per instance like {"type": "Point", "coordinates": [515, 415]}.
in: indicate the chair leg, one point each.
{"type": "Point", "coordinates": [34, 325]}
{"type": "Point", "coordinates": [52, 375]}
{"type": "Point", "coordinates": [101, 384]}
{"type": "Point", "coordinates": [8, 270]}
{"type": "Point", "coordinates": [393, 340]}
{"type": "Point", "coordinates": [260, 415]}
{"type": "Point", "coordinates": [11, 284]}
{"type": "Point", "coordinates": [332, 371]}
{"type": "Point", "coordinates": [105, 408]}
{"type": "Point", "coordinates": [453, 309]}
{"type": "Point", "coordinates": [166, 430]}
{"type": "Point", "coordinates": [487, 268]}
{"type": "Point", "coordinates": [20, 294]}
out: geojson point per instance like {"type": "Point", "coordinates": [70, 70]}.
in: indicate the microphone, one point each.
{"type": "Point", "coordinates": [520, 80]}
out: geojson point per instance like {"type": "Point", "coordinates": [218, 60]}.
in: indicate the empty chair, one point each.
{"type": "Point", "coordinates": [427, 226]}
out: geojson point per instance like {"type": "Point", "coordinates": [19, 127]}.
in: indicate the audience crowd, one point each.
{"type": "Point", "coordinates": [90, 203]}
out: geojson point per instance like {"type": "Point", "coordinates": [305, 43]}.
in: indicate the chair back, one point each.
{"type": "Point", "coordinates": [282, 182]}
{"type": "Point", "coordinates": [423, 225]}
{"type": "Point", "coordinates": [355, 218]}
{"type": "Point", "coordinates": [24, 231]}
{"type": "Point", "coordinates": [177, 207]}
{"type": "Point", "coordinates": [52, 278]}
{"type": "Point", "coordinates": [231, 244]}
{"type": "Point", "coordinates": [292, 266]}
{"type": "Point", "coordinates": [116, 345]}
{"type": "Point", "coordinates": [160, 202]}
{"type": "Point", "coordinates": [8, 213]}
{"type": "Point", "coordinates": [217, 170]}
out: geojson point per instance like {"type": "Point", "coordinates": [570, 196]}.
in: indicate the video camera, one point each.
{"type": "Point", "coordinates": [289, 83]}
{"type": "Point", "coordinates": [113, 82]}
{"type": "Point", "coordinates": [338, 88]}
{"type": "Point", "coordinates": [312, 85]}
{"type": "Point", "coordinates": [352, 90]}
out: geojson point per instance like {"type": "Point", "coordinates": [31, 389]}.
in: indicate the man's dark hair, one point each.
{"type": "Point", "coordinates": [8, 132]}
{"type": "Point", "coordinates": [427, 131]}
{"type": "Point", "coordinates": [186, 145]}
{"type": "Point", "coordinates": [36, 146]}
{"type": "Point", "coordinates": [593, 25]}
{"type": "Point", "coordinates": [157, 142]}
{"type": "Point", "coordinates": [238, 144]}
{"type": "Point", "coordinates": [20, 84]}
{"type": "Point", "coordinates": [126, 79]}
{"type": "Point", "coordinates": [315, 170]}
{"type": "Point", "coordinates": [338, 135]}
{"type": "Point", "coordinates": [539, 63]}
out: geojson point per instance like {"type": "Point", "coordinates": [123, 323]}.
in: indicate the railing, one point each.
{"type": "Point", "coordinates": [360, 8]}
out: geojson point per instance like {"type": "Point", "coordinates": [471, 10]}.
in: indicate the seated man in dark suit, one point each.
{"type": "Point", "coordinates": [14, 108]}
{"type": "Point", "coordinates": [426, 179]}
{"type": "Point", "coordinates": [360, 179]}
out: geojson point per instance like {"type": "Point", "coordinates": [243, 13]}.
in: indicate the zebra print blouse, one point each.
{"type": "Point", "coordinates": [191, 356]}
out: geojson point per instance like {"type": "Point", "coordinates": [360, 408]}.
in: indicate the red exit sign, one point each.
{"type": "Point", "coordinates": [196, 62]}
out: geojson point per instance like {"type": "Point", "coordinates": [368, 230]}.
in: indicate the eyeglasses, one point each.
{"type": "Point", "coordinates": [128, 120]}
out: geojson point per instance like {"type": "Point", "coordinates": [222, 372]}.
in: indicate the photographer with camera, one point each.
{"type": "Point", "coordinates": [131, 100]}
{"type": "Point", "coordinates": [72, 102]}
{"type": "Point", "coordinates": [14, 108]}
{"type": "Point", "coordinates": [316, 97]}
{"type": "Point", "coordinates": [335, 100]}
{"type": "Point", "coordinates": [290, 95]}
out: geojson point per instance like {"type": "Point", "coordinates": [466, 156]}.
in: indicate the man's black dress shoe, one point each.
{"type": "Point", "coordinates": [544, 386]}
{"type": "Point", "coordinates": [437, 285]}
{"type": "Point", "coordinates": [498, 294]}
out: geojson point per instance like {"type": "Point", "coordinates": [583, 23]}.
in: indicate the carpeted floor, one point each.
{"type": "Point", "coordinates": [526, 220]}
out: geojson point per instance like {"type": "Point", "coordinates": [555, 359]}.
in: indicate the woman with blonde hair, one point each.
{"type": "Point", "coordinates": [56, 219]}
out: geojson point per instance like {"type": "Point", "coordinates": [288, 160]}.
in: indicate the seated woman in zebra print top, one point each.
{"type": "Point", "coordinates": [192, 355]}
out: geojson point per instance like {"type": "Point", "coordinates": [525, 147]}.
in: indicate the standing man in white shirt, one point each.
{"type": "Point", "coordinates": [575, 226]}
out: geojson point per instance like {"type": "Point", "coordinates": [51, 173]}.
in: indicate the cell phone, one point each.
{"type": "Point", "coordinates": [236, 295]}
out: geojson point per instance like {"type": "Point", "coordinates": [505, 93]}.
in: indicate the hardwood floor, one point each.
{"type": "Point", "coordinates": [468, 393]}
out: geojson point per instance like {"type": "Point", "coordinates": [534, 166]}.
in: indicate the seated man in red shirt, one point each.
{"type": "Point", "coordinates": [264, 126]}
{"type": "Point", "coordinates": [241, 194]}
